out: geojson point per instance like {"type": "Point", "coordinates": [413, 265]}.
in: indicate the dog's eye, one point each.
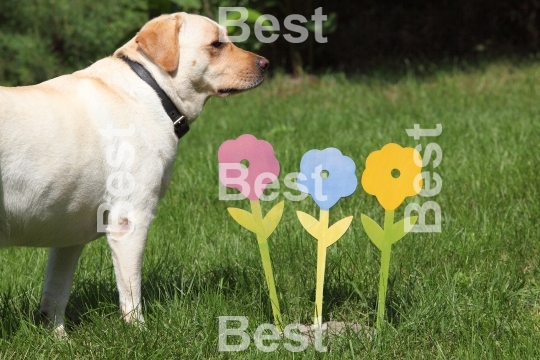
{"type": "Point", "coordinates": [217, 44]}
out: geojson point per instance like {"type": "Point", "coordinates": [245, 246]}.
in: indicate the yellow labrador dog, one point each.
{"type": "Point", "coordinates": [92, 152]}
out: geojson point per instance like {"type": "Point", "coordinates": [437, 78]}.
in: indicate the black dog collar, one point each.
{"type": "Point", "coordinates": [181, 126]}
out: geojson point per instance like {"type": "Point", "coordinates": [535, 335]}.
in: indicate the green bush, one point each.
{"type": "Point", "coordinates": [25, 59]}
{"type": "Point", "coordinates": [42, 39]}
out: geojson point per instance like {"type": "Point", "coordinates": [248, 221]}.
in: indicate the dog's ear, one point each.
{"type": "Point", "coordinates": [159, 40]}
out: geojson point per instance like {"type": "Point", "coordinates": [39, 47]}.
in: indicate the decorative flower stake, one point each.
{"type": "Point", "coordinates": [327, 176]}
{"type": "Point", "coordinates": [263, 169]}
{"type": "Point", "coordinates": [390, 175]}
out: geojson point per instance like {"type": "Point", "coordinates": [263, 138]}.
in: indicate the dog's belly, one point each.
{"type": "Point", "coordinates": [59, 232]}
{"type": "Point", "coordinates": [48, 211]}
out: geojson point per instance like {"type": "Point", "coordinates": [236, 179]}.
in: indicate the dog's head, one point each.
{"type": "Point", "coordinates": [192, 56]}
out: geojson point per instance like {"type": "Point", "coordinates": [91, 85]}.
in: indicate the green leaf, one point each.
{"type": "Point", "coordinates": [272, 218]}
{"type": "Point", "coordinates": [328, 26]}
{"type": "Point", "coordinates": [188, 4]}
{"type": "Point", "coordinates": [309, 223]}
{"type": "Point", "coordinates": [398, 229]}
{"type": "Point", "coordinates": [244, 218]}
{"type": "Point", "coordinates": [336, 231]}
{"type": "Point", "coordinates": [373, 230]}
{"type": "Point", "coordinates": [253, 15]}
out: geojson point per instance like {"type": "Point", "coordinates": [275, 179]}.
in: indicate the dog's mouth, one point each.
{"type": "Point", "coordinates": [232, 91]}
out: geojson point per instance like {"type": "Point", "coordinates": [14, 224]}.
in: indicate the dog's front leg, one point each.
{"type": "Point", "coordinates": [58, 280]}
{"type": "Point", "coordinates": [127, 253]}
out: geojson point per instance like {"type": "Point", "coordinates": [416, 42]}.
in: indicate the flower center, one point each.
{"type": "Point", "coordinates": [244, 163]}
{"type": "Point", "coordinates": [395, 173]}
{"type": "Point", "coordinates": [325, 174]}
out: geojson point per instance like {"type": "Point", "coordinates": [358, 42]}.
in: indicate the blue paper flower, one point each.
{"type": "Point", "coordinates": [327, 175]}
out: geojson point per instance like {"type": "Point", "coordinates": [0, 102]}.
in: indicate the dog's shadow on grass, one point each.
{"type": "Point", "coordinates": [338, 293]}
{"type": "Point", "coordinates": [160, 284]}
{"type": "Point", "coordinates": [14, 309]}
{"type": "Point", "coordinates": [98, 296]}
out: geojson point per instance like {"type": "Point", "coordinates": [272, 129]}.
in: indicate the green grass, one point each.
{"type": "Point", "coordinates": [470, 292]}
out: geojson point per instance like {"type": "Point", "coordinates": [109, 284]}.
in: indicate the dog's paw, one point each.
{"type": "Point", "coordinates": [140, 325]}
{"type": "Point", "coordinates": [134, 317]}
{"type": "Point", "coordinates": [60, 333]}
{"type": "Point", "coordinates": [137, 321]}
{"type": "Point", "coordinates": [58, 330]}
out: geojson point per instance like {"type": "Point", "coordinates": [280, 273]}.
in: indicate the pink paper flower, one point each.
{"type": "Point", "coordinates": [262, 168]}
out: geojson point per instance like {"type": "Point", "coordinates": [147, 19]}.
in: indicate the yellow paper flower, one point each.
{"type": "Point", "coordinates": [390, 174]}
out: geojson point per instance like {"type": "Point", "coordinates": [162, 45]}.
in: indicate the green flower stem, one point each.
{"type": "Point", "coordinates": [385, 266]}
{"type": "Point", "coordinates": [267, 266]}
{"type": "Point", "coordinates": [321, 261]}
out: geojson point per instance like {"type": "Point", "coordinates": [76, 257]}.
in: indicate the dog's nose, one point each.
{"type": "Point", "coordinates": [263, 63]}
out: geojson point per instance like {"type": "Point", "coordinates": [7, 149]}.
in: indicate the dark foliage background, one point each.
{"type": "Point", "coordinates": [40, 39]}
{"type": "Point", "coordinates": [371, 31]}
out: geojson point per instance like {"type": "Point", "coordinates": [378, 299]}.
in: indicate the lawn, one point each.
{"type": "Point", "coordinates": [469, 292]}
